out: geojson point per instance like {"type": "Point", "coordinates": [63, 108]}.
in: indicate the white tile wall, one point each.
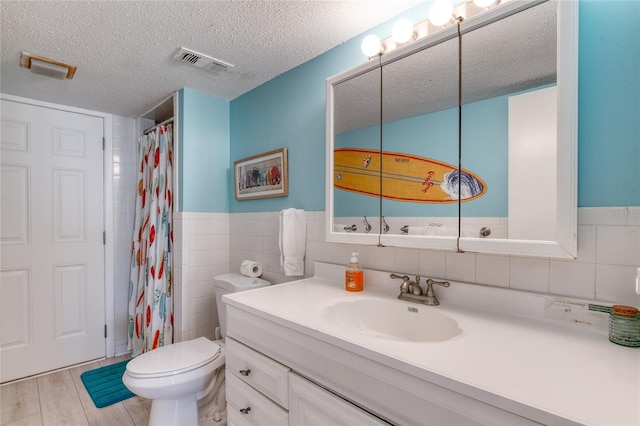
{"type": "Point", "coordinates": [208, 244]}
{"type": "Point", "coordinates": [492, 270]}
{"type": "Point", "coordinates": [608, 253]}
{"type": "Point", "coordinates": [201, 242]}
{"type": "Point", "coordinates": [124, 184]}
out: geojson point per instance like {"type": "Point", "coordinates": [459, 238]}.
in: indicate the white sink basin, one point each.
{"type": "Point", "coordinates": [392, 319]}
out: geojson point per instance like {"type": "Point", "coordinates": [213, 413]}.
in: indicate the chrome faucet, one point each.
{"type": "Point", "coordinates": [430, 294]}
{"type": "Point", "coordinates": [412, 292]}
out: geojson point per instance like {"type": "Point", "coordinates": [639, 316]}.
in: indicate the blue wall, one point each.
{"type": "Point", "coordinates": [609, 115]}
{"type": "Point", "coordinates": [204, 153]}
{"type": "Point", "coordinates": [289, 111]}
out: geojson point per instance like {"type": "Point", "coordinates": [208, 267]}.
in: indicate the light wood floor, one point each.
{"type": "Point", "coordinates": [60, 398]}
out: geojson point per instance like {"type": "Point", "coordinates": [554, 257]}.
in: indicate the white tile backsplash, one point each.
{"type": "Point", "coordinates": [586, 243]}
{"type": "Point", "coordinates": [633, 216]}
{"type": "Point", "coordinates": [618, 245]}
{"type": "Point", "coordinates": [602, 215]}
{"type": "Point", "coordinates": [616, 284]}
{"type": "Point", "coordinates": [530, 274]}
{"type": "Point", "coordinates": [575, 279]}
{"type": "Point", "coordinates": [208, 244]}
{"type": "Point", "coordinates": [432, 264]}
{"type": "Point", "coordinates": [492, 270]}
{"type": "Point", "coordinates": [460, 267]}
{"type": "Point", "coordinates": [384, 258]}
{"type": "Point", "coordinates": [407, 259]}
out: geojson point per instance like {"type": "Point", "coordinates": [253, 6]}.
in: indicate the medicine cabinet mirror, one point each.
{"type": "Point", "coordinates": [516, 191]}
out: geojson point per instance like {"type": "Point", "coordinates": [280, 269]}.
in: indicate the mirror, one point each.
{"type": "Point", "coordinates": [420, 142]}
{"type": "Point", "coordinates": [356, 144]}
{"type": "Point", "coordinates": [509, 52]}
{"type": "Point", "coordinates": [509, 124]}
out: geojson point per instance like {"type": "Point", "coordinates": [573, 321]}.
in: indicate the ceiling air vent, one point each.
{"type": "Point", "coordinates": [200, 60]}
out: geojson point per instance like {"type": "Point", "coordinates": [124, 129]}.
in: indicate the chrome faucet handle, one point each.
{"type": "Point", "coordinates": [430, 294]}
{"type": "Point", "coordinates": [404, 287]}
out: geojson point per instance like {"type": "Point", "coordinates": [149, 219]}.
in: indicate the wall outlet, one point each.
{"type": "Point", "coordinates": [638, 281]}
{"type": "Point", "coordinates": [574, 311]}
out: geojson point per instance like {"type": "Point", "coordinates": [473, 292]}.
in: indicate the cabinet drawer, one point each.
{"type": "Point", "coordinates": [262, 373]}
{"type": "Point", "coordinates": [246, 406]}
{"type": "Point", "coordinates": [312, 405]}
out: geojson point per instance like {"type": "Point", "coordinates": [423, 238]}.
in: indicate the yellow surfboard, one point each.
{"type": "Point", "coordinates": [403, 177]}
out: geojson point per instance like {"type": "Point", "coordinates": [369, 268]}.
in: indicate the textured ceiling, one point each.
{"type": "Point", "coordinates": [124, 49]}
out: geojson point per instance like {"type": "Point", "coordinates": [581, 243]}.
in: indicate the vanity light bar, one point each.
{"type": "Point", "coordinates": [466, 10]}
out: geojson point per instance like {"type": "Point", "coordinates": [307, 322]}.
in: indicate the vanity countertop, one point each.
{"type": "Point", "coordinates": [568, 371]}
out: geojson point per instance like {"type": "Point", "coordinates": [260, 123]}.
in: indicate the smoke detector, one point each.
{"type": "Point", "coordinates": [200, 60]}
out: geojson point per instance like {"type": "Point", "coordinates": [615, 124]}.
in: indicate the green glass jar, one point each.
{"type": "Point", "coordinates": [624, 326]}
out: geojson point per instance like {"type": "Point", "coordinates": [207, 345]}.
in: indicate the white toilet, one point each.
{"type": "Point", "coordinates": [176, 377]}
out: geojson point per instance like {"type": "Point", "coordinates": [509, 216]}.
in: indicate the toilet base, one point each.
{"type": "Point", "coordinates": [183, 411]}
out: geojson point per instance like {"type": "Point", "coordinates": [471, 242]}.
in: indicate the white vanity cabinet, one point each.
{"type": "Point", "coordinates": [510, 365]}
{"type": "Point", "coordinates": [367, 389]}
{"type": "Point", "coordinates": [260, 390]}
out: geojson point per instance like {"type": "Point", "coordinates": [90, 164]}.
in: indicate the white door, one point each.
{"type": "Point", "coordinates": [51, 234]}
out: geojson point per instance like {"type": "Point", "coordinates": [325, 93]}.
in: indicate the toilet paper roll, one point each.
{"type": "Point", "coordinates": [251, 268]}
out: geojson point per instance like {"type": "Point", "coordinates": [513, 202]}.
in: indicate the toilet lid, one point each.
{"type": "Point", "coordinates": [174, 359]}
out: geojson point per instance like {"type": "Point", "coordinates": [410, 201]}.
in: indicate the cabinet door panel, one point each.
{"type": "Point", "coordinates": [309, 404]}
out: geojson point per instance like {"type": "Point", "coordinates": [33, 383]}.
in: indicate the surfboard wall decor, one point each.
{"type": "Point", "coordinates": [403, 177]}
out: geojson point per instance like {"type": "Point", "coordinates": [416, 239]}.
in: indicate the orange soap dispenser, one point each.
{"type": "Point", "coordinates": [354, 275]}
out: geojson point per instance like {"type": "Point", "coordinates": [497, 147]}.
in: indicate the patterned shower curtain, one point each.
{"type": "Point", "coordinates": [150, 279]}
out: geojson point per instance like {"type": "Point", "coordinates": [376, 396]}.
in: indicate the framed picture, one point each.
{"type": "Point", "coordinates": [262, 176]}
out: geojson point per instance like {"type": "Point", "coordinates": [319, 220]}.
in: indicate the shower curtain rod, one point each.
{"type": "Point", "coordinates": [150, 129]}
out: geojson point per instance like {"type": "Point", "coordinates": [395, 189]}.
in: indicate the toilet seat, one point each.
{"type": "Point", "coordinates": [174, 359]}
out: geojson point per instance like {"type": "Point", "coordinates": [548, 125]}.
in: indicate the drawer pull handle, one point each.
{"type": "Point", "coordinates": [245, 372]}
{"type": "Point", "coordinates": [245, 410]}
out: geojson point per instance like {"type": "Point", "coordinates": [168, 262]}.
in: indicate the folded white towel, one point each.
{"type": "Point", "coordinates": [292, 240]}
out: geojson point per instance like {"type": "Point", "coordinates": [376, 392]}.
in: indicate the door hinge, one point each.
{"type": "Point", "coordinates": [104, 237]}
{"type": "Point", "coordinates": [103, 143]}
{"type": "Point", "coordinates": [105, 331]}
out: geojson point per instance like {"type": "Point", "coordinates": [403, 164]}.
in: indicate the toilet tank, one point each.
{"type": "Point", "coordinates": [232, 283]}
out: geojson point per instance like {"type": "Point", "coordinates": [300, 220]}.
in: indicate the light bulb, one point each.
{"type": "Point", "coordinates": [402, 31]}
{"type": "Point", "coordinates": [371, 45]}
{"type": "Point", "coordinates": [440, 12]}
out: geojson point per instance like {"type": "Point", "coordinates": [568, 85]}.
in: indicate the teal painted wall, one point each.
{"type": "Point", "coordinates": [609, 115]}
{"type": "Point", "coordinates": [289, 111]}
{"type": "Point", "coordinates": [203, 153]}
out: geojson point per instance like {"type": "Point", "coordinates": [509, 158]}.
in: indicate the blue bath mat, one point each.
{"type": "Point", "coordinates": [105, 385]}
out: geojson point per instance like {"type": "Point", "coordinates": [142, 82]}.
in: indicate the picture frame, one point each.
{"type": "Point", "coordinates": [262, 176]}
